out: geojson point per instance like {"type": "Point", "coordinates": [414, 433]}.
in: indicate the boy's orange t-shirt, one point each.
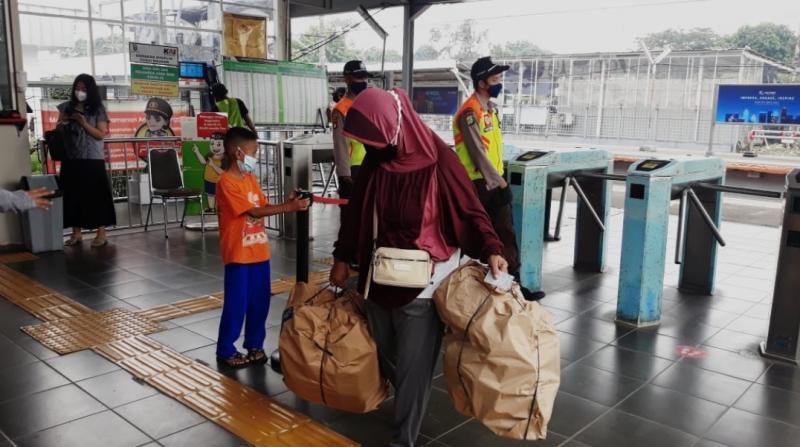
{"type": "Point", "coordinates": [242, 239]}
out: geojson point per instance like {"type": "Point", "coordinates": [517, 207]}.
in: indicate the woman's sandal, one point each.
{"type": "Point", "coordinates": [72, 241]}
{"type": "Point", "coordinates": [236, 361]}
{"type": "Point", "coordinates": [257, 356]}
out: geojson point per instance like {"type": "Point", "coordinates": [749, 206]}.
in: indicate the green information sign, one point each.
{"type": "Point", "coordinates": [154, 80]}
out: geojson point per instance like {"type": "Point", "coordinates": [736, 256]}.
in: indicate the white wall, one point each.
{"type": "Point", "coordinates": [14, 147]}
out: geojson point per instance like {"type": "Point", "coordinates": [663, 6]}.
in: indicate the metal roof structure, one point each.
{"type": "Point", "coordinates": [305, 8]}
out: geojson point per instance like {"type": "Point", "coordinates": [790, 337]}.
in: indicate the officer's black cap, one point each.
{"type": "Point", "coordinates": [484, 67]}
{"type": "Point", "coordinates": [356, 68]}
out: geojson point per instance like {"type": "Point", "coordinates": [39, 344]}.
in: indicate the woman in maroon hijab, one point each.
{"type": "Point", "coordinates": [424, 201]}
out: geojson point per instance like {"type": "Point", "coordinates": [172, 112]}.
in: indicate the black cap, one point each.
{"type": "Point", "coordinates": [219, 90]}
{"type": "Point", "coordinates": [356, 68]}
{"type": "Point", "coordinates": [484, 67]}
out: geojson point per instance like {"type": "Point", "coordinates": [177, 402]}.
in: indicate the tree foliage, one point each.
{"type": "Point", "coordinates": [680, 39]}
{"type": "Point", "coordinates": [338, 50]}
{"type": "Point", "coordinates": [770, 39]}
{"type": "Point", "coordinates": [465, 41]}
{"type": "Point", "coordinates": [517, 48]}
{"type": "Point", "coordinates": [426, 52]}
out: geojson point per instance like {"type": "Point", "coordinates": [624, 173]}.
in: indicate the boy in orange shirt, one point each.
{"type": "Point", "coordinates": [244, 246]}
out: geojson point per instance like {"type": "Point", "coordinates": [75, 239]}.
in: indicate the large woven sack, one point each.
{"type": "Point", "coordinates": [501, 359]}
{"type": "Point", "coordinates": [327, 353]}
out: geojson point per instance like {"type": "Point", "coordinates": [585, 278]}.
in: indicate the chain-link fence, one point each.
{"type": "Point", "coordinates": [623, 97]}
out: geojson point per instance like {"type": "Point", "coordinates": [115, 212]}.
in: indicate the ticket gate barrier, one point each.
{"type": "Point", "coordinates": [530, 175]}
{"type": "Point", "coordinates": [651, 186]}
{"type": "Point", "coordinates": [784, 323]}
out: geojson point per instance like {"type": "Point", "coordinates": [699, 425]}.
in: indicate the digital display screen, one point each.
{"type": "Point", "coordinates": [651, 165]}
{"type": "Point", "coordinates": [529, 156]}
{"type": "Point", "coordinates": [435, 100]}
{"type": "Point", "coordinates": [194, 70]}
{"type": "Point", "coordinates": [775, 104]}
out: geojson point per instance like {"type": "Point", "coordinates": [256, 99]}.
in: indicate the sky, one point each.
{"type": "Point", "coordinates": [575, 26]}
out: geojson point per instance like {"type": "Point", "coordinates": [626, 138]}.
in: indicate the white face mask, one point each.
{"type": "Point", "coordinates": [80, 95]}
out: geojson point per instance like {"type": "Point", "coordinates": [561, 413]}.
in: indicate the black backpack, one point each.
{"type": "Point", "coordinates": [60, 142]}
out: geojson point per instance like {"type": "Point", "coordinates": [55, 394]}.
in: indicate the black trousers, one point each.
{"type": "Point", "coordinates": [346, 191]}
{"type": "Point", "coordinates": [498, 207]}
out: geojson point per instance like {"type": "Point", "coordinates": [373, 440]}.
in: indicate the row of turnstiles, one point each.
{"type": "Point", "coordinates": [651, 186]}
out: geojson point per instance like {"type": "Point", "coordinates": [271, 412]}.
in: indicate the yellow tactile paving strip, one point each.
{"type": "Point", "coordinates": [240, 410]}
{"type": "Point", "coordinates": [11, 258]}
{"type": "Point", "coordinates": [43, 303]}
{"type": "Point", "coordinates": [117, 335]}
{"type": "Point", "coordinates": [183, 308]}
{"type": "Point", "coordinates": [91, 329]}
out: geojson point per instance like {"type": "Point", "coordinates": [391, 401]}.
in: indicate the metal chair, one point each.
{"type": "Point", "coordinates": [166, 183]}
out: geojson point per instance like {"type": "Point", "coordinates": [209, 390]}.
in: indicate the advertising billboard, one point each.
{"type": "Point", "coordinates": [754, 104]}
{"type": "Point", "coordinates": [435, 100]}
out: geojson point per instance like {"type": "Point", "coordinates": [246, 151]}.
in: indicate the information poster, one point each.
{"type": "Point", "coordinates": [154, 80]}
{"type": "Point", "coordinates": [142, 53]}
{"type": "Point", "coordinates": [126, 119]}
{"type": "Point", "coordinates": [196, 157]}
{"type": "Point", "coordinates": [769, 104]}
{"type": "Point", "coordinates": [279, 93]}
{"type": "Point", "coordinates": [245, 36]}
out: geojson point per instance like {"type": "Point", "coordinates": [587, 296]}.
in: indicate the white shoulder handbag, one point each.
{"type": "Point", "coordinates": [396, 266]}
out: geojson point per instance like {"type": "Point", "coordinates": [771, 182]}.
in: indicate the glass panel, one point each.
{"type": "Point", "coordinates": [73, 8]}
{"type": "Point", "coordinates": [142, 34]}
{"type": "Point", "coordinates": [54, 49]}
{"type": "Point", "coordinates": [6, 101]}
{"type": "Point", "coordinates": [145, 11]}
{"type": "Point", "coordinates": [196, 46]}
{"type": "Point", "coordinates": [109, 52]}
{"type": "Point", "coordinates": [192, 14]}
{"type": "Point", "coordinates": [265, 4]}
{"type": "Point", "coordinates": [106, 9]}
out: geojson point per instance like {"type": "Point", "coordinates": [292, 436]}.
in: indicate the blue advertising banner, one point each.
{"type": "Point", "coordinates": [772, 104]}
{"type": "Point", "coordinates": [436, 100]}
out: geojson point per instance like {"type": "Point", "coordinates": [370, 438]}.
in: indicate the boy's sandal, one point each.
{"type": "Point", "coordinates": [236, 361]}
{"type": "Point", "coordinates": [257, 356]}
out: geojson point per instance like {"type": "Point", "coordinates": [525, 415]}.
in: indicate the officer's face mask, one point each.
{"type": "Point", "coordinates": [248, 165]}
{"type": "Point", "coordinates": [358, 87]}
{"type": "Point", "coordinates": [382, 155]}
{"type": "Point", "coordinates": [495, 89]}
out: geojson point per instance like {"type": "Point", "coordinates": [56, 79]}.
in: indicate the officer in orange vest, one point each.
{"type": "Point", "coordinates": [479, 145]}
{"type": "Point", "coordinates": [348, 154]}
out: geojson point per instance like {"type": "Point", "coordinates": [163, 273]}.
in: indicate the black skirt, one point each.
{"type": "Point", "coordinates": [88, 202]}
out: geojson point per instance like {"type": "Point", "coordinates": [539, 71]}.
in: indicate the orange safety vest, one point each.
{"type": "Point", "coordinates": [491, 136]}
{"type": "Point", "coordinates": [357, 150]}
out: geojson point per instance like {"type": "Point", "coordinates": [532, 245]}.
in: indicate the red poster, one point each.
{"type": "Point", "coordinates": [127, 119]}
{"type": "Point", "coordinates": [211, 123]}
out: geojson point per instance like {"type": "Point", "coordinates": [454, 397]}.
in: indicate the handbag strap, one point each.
{"type": "Point", "coordinates": [374, 246]}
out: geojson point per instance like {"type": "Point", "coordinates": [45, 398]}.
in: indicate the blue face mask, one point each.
{"type": "Point", "coordinates": [494, 90]}
{"type": "Point", "coordinates": [248, 165]}
{"type": "Point", "coordinates": [358, 87]}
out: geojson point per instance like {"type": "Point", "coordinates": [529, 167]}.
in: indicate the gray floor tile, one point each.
{"type": "Point", "coordinates": [30, 414]}
{"type": "Point", "coordinates": [81, 365]}
{"type": "Point", "coordinates": [104, 429]}
{"type": "Point", "coordinates": [116, 388]}
{"type": "Point", "coordinates": [620, 429]}
{"type": "Point", "coordinates": [159, 415]}
{"type": "Point", "coordinates": [206, 433]}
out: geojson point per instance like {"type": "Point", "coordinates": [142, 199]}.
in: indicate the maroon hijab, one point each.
{"type": "Point", "coordinates": [380, 118]}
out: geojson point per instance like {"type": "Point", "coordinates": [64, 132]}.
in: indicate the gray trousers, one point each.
{"type": "Point", "coordinates": [409, 339]}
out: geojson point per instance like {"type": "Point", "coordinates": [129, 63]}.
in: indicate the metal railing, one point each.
{"type": "Point", "coordinates": [270, 177]}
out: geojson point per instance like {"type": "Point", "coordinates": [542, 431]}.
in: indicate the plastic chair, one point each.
{"type": "Point", "coordinates": [166, 183]}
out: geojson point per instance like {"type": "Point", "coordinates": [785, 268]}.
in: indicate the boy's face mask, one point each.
{"type": "Point", "coordinates": [248, 165]}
